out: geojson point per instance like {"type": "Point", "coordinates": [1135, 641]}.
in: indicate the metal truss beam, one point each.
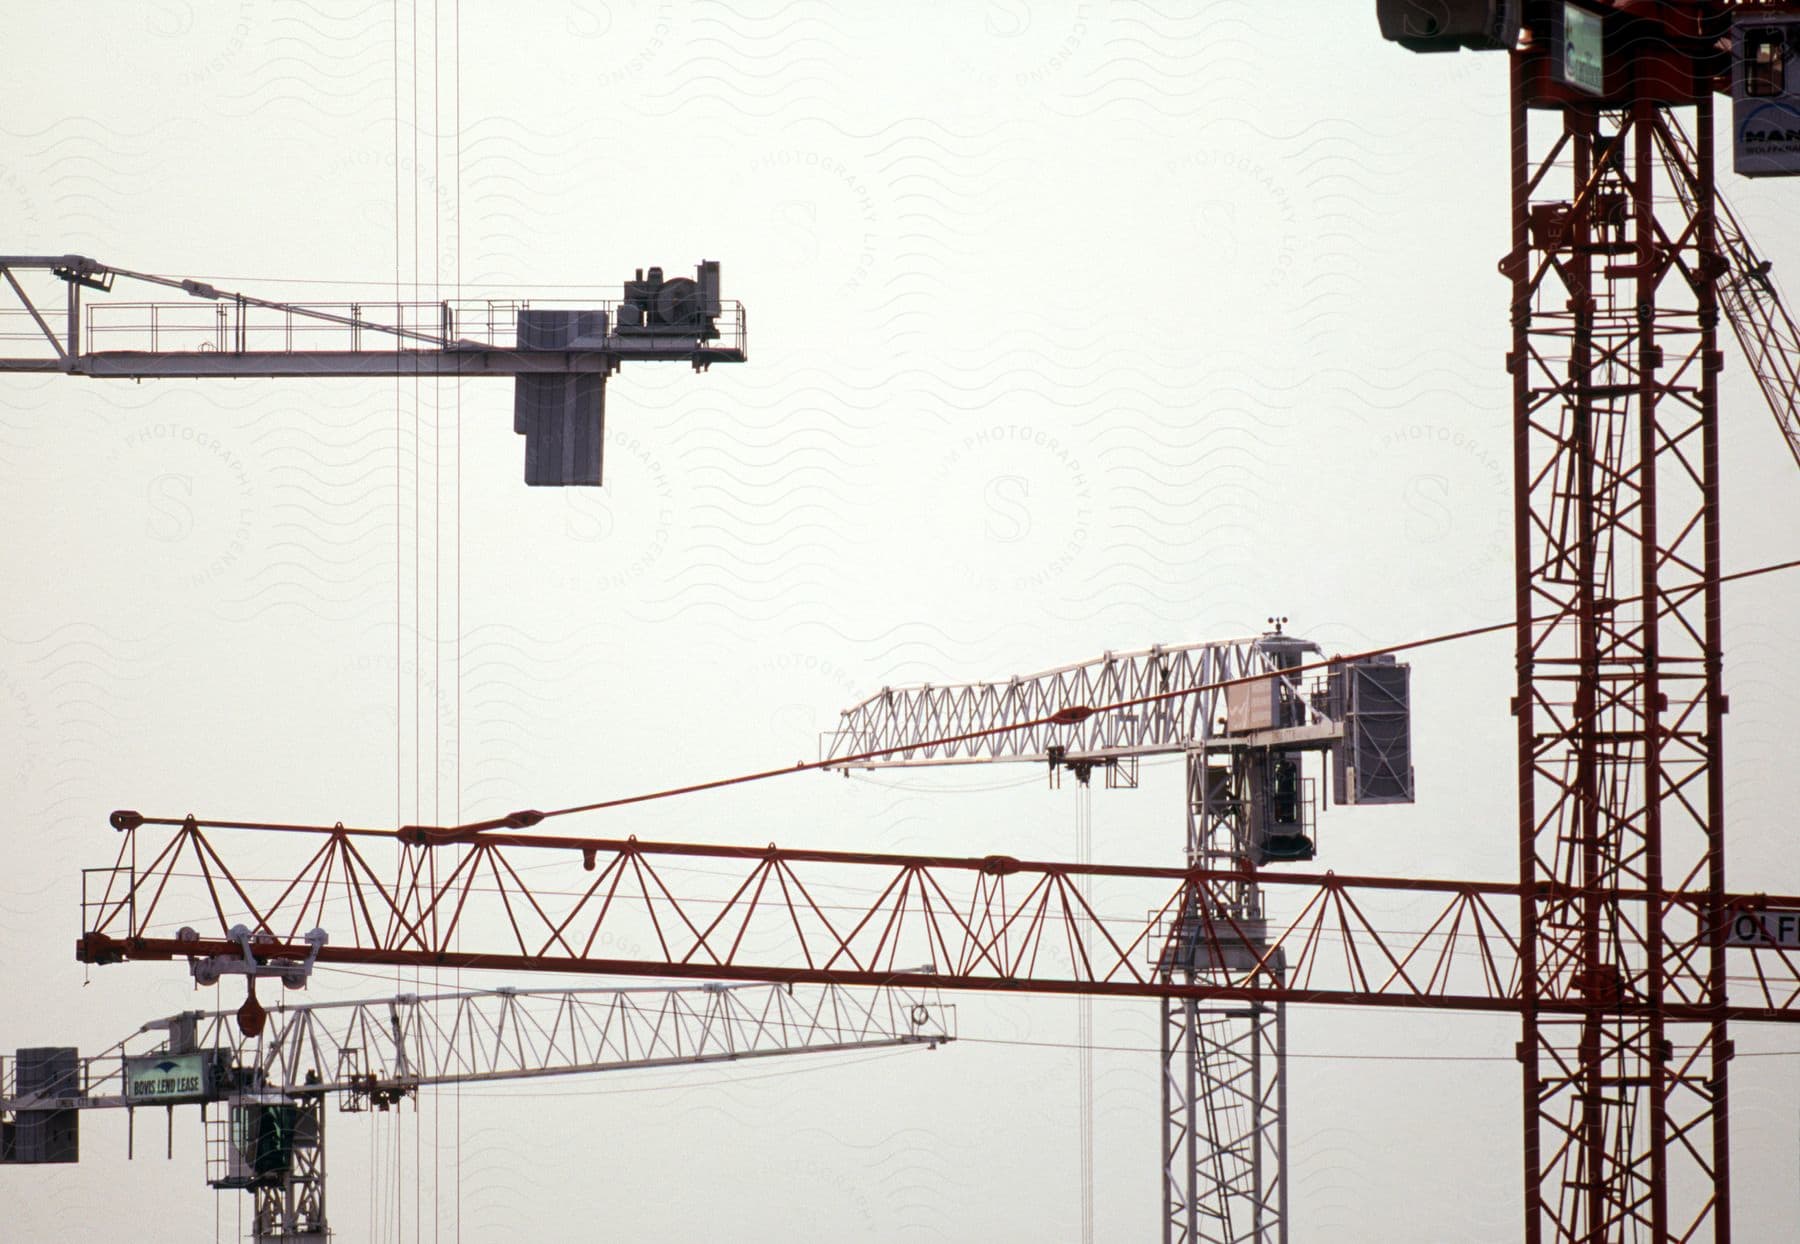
{"type": "Point", "coordinates": [1173, 698]}
{"type": "Point", "coordinates": [1224, 1068]}
{"type": "Point", "coordinates": [292, 1211]}
{"type": "Point", "coordinates": [373, 1053]}
{"type": "Point", "coordinates": [1223, 1170]}
{"type": "Point", "coordinates": [994, 923]}
{"type": "Point", "coordinates": [376, 1050]}
{"type": "Point", "coordinates": [223, 334]}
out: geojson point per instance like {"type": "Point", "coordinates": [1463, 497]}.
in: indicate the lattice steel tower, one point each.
{"type": "Point", "coordinates": [1615, 267]}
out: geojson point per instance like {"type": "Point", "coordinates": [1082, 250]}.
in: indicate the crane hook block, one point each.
{"type": "Point", "coordinates": [252, 1016]}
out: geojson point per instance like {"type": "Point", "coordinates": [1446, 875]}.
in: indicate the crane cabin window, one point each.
{"type": "Point", "coordinates": [1765, 61]}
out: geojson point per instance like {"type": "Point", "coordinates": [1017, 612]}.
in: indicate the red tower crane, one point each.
{"type": "Point", "coordinates": [1620, 262]}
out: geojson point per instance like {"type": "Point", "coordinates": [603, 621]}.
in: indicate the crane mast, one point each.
{"type": "Point", "coordinates": [1621, 260]}
{"type": "Point", "coordinates": [268, 1138]}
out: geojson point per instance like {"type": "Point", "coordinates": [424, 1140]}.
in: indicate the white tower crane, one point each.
{"type": "Point", "coordinates": [268, 1139]}
{"type": "Point", "coordinates": [558, 354]}
{"type": "Point", "coordinates": [1246, 714]}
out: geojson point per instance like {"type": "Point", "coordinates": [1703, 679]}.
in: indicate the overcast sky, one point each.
{"type": "Point", "coordinates": [1074, 327]}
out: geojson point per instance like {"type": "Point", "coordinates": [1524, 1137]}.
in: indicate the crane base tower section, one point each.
{"type": "Point", "coordinates": [1614, 363]}
{"type": "Point", "coordinates": [1224, 1106]}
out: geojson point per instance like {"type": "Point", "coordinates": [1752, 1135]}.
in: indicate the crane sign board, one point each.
{"type": "Point", "coordinates": [1766, 929]}
{"type": "Point", "coordinates": [1583, 42]}
{"type": "Point", "coordinates": [1765, 97]}
{"type": "Point", "coordinates": [170, 1079]}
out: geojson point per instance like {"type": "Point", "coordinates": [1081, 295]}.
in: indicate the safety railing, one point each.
{"type": "Point", "coordinates": [228, 326]}
{"type": "Point", "coordinates": [97, 1077]}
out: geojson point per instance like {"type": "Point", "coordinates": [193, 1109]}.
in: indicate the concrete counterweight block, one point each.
{"type": "Point", "coordinates": [561, 415]}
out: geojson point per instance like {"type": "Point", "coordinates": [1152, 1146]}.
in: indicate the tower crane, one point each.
{"type": "Point", "coordinates": [268, 1136]}
{"type": "Point", "coordinates": [1245, 722]}
{"type": "Point", "coordinates": [1621, 258]}
{"type": "Point", "coordinates": [558, 354]}
{"type": "Point", "coordinates": [1612, 944]}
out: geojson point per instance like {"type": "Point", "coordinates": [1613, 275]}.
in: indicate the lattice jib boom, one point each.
{"type": "Point", "coordinates": [379, 1049]}
{"type": "Point", "coordinates": [1173, 698]}
{"type": "Point", "coordinates": [695, 911]}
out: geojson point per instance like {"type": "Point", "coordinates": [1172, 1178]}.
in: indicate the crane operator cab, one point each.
{"type": "Point", "coordinates": [1285, 832]}
{"type": "Point", "coordinates": [1275, 804]}
{"type": "Point", "coordinates": [1355, 716]}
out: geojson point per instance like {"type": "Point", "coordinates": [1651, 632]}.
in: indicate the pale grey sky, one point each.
{"type": "Point", "coordinates": [1074, 327]}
